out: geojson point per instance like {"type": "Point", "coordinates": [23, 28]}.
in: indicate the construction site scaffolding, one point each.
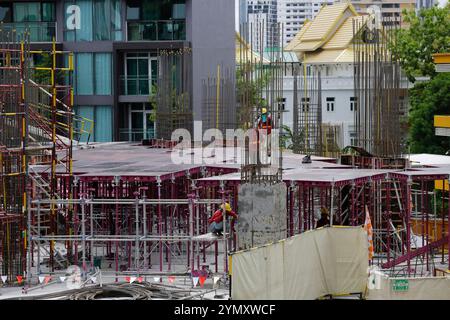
{"type": "Point", "coordinates": [36, 99]}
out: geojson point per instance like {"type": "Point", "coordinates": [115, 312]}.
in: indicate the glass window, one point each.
{"type": "Point", "coordinates": [85, 31]}
{"type": "Point", "coordinates": [103, 68]}
{"type": "Point", "coordinates": [88, 113]}
{"type": "Point", "coordinates": [102, 117]}
{"type": "Point", "coordinates": [27, 12]}
{"type": "Point", "coordinates": [93, 73]}
{"type": "Point", "coordinates": [84, 74]}
{"type": "Point", "coordinates": [156, 9]}
{"type": "Point", "coordinates": [305, 104]}
{"type": "Point", "coordinates": [150, 10]}
{"type": "Point", "coordinates": [103, 124]}
{"type": "Point", "coordinates": [5, 12]}
{"type": "Point", "coordinates": [102, 20]}
{"type": "Point", "coordinates": [132, 67]}
{"type": "Point", "coordinates": [48, 11]}
{"type": "Point", "coordinates": [133, 10]}
{"type": "Point", "coordinates": [179, 11]}
{"type": "Point", "coordinates": [330, 104]}
{"type": "Point", "coordinates": [353, 105]}
{"type": "Point", "coordinates": [99, 20]}
{"type": "Point", "coordinates": [137, 120]}
{"type": "Point", "coordinates": [116, 20]}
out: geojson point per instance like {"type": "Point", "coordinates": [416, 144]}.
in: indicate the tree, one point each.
{"type": "Point", "coordinates": [427, 100]}
{"type": "Point", "coordinates": [428, 33]}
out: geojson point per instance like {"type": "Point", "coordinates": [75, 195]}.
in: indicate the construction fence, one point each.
{"type": "Point", "coordinates": [423, 288]}
{"type": "Point", "coordinates": [325, 261]}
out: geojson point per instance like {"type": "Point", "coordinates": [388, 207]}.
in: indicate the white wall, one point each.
{"type": "Point", "coordinates": [338, 84]}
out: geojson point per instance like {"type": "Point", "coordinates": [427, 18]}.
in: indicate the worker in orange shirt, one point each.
{"type": "Point", "coordinates": [265, 121]}
{"type": "Point", "coordinates": [216, 220]}
{"type": "Point", "coordinates": [264, 130]}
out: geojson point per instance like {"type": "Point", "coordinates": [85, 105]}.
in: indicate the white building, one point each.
{"type": "Point", "coordinates": [262, 17]}
{"type": "Point", "coordinates": [292, 14]}
{"type": "Point", "coordinates": [337, 98]}
{"type": "Point", "coordinates": [390, 9]}
{"type": "Point", "coordinates": [325, 45]}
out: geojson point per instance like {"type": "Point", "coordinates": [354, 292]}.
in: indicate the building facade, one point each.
{"type": "Point", "coordinates": [425, 4]}
{"type": "Point", "coordinates": [262, 17]}
{"type": "Point", "coordinates": [116, 44]}
{"type": "Point", "coordinates": [325, 45]}
{"type": "Point", "coordinates": [292, 14]}
{"type": "Point", "coordinates": [390, 9]}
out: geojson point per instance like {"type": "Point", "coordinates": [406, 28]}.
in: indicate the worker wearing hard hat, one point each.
{"type": "Point", "coordinates": [216, 221]}
{"type": "Point", "coordinates": [265, 123]}
{"type": "Point", "coordinates": [265, 120]}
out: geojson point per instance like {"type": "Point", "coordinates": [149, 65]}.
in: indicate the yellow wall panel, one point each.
{"type": "Point", "coordinates": [442, 121]}
{"type": "Point", "coordinates": [438, 184]}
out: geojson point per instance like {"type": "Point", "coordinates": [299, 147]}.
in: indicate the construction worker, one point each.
{"type": "Point", "coordinates": [264, 123]}
{"type": "Point", "coordinates": [265, 120]}
{"type": "Point", "coordinates": [216, 221]}
{"type": "Point", "coordinates": [323, 221]}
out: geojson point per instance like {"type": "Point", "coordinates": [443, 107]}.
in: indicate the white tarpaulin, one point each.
{"type": "Point", "coordinates": [435, 288]}
{"type": "Point", "coordinates": [307, 266]}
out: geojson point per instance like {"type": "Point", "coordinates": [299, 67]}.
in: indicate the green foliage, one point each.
{"type": "Point", "coordinates": [427, 100]}
{"type": "Point", "coordinates": [286, 138]}
{"type": "Point", "coordinates": [45, 60]}
{"type": "Point", "coordinates": [428, 33]}
{"type": "Point", "coordinates": [43, 76]}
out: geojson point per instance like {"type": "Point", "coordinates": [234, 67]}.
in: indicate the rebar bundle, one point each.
{"type": "Point", "coordinates": [260, 85]}
{"type": "Point", "coordinates": [13, 166]}
{"type": "Point", "coordinates": [219, 105]}
{"type": "Point", "coordinates": [377, 89]}
{"type": "Point", "coordinates": [173, 101]}
{"type": "Point", "coordinates": [307, 129]}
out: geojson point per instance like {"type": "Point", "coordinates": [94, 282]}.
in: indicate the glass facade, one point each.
{"type": "Point", "coordinates": [93, 73]}
{"type": "Point", "coordinates": [84, 74]}
{"type": "Point", "coordinates": [92, 20]}
{"type": "Point", "coordinates": [140, 124]}
{"type": "Point", "coordinates": [105, 20]}
{"type": "Point", "coordinates": [156, 20]}
{"type": "Point", "coordinates": [155, 9]}
{"type": "Point", "coordinates": [141, 74]}
{"type": "Point", "coordinates": [102, 73]}
{"type": "Point", "coordinates": [37, 18]}
{"type": "Point", "coordinates": [102, 116]}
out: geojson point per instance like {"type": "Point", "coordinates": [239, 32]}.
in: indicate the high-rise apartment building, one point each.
{"type": "Point", "coordinates": [261, 18]}
{"type": "Point", "coordinates": [390, 9]}
{"type": "Point", "coordinates": [116, 44]}
{"type": "Point", "coordinates": [292, 14]}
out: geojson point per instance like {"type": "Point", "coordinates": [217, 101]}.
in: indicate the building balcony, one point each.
{"type": "Point", "coordinates": [158, 30]}
{"type": "Point", "coordinates": [38, 31]}
{"type": "Point", "coordinates": [136, 86]}
{"type": "Point", "coordinates": [134, 135]}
